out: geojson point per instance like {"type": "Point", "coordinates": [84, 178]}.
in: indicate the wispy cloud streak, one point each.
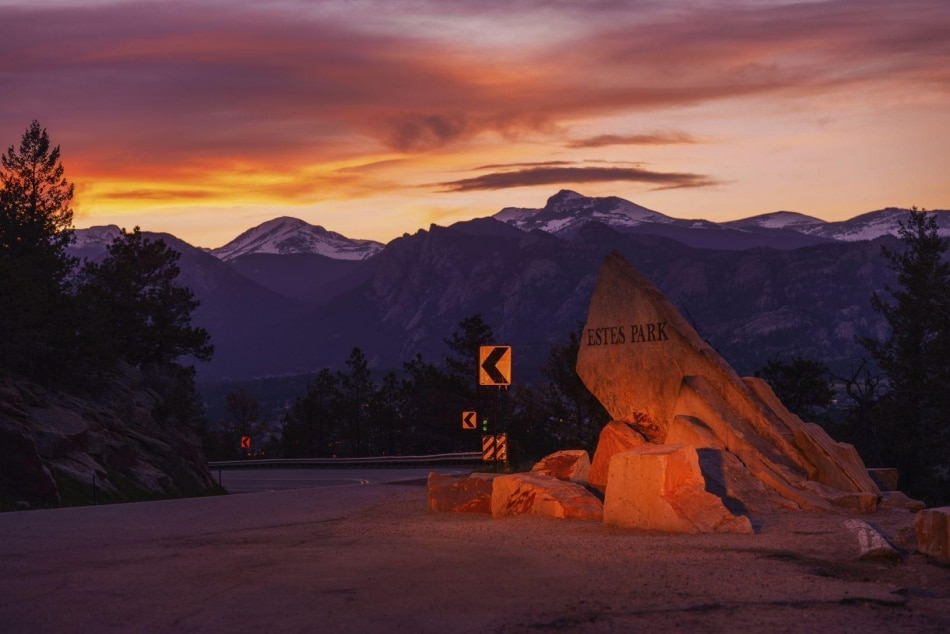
{"type": "Point", "coordinates": [655, 138]}
{"type": "Point", "coordinates": [576, 175]}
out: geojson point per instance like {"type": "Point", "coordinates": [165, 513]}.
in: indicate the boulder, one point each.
{"type": "Point", "coordinates": [651, 370]}
{"type": "Point", "coordinates": [571, 465]}
{"type": "Point", "coordinates": [885, 478]}
{"type": "Point", "coordinates": [933, 532]}
{"type": "Point", "coordinates": [661, 487]}
{"type": "Point", "coordinates": [899, 500]}
{"type": "Point", "coordinates": [536, 494]}
{"type": "Point", "coordinates": [860, 501]}
{"type": "Point", "coordinates": [471, 494]}
{"type": "Point", "coordinates": [615, 437]}
{"type": "Point", "coordinates": [871, 544]}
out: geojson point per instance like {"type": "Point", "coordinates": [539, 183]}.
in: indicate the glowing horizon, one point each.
{"type": "Point", "coordinates": [375, 119]}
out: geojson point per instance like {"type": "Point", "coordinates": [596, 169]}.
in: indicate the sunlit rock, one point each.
{"type": "Point", "coordinates": [933, 532]}
{"type": "Point", "coordinates": [654, 373]}
{"type": "Point", "coordinates": [615, 437]}
{"type": "Point", "coordinates": [571, 465]}
{"type": "Point", "coordinates": [461, 494]}
{"type": "Point", "coordinates": [661, 487]}
{"type": "Point", "coordinates": [536, 494]}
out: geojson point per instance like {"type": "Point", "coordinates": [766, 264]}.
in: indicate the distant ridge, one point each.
{"type": "Point", "coordinates": [774, 284]}
{"type": "Point", "coordinates": [566, 212]}
{"type": "Point", "coordinates": [285, 236]}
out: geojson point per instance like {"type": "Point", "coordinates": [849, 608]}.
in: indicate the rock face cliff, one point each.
{"type": "Point", "coordinates": [123, 445]}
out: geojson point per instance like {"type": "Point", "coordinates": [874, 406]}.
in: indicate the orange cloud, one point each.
{"type": "Point", "coordinates": [277, 101]}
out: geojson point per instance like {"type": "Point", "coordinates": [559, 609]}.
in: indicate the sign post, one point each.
{"type": "Point", "coordinates": [494, 369]}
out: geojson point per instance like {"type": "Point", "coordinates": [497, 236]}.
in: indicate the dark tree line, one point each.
{"type": "Point", "coordinates": [419, 411]}
{"type": "Point", "coordinates": [897, 401]}
{"type": "Point", "coordinates": [68, 324]}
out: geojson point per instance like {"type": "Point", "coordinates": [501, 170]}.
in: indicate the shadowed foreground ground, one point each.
{"type": "Point", "coordinates": [370, 558]}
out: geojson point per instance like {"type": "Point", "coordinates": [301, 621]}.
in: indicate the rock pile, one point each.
{"type": "Point", "coordinates": [658, 378]}
{"type": "Point", "coordinates": [693, 447]}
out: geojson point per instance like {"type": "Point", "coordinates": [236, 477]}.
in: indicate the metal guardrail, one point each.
{"type": "Point", "coordinates": [366, 461]}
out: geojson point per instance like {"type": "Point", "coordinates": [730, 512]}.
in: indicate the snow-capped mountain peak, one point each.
{"type": "Point", "coordinates": [291, 235]}
{"type": "Point", "coordinates": [777, 220]}
{"type": "Point", "coordinates": [567, 211]}
{"type": "Point", "coordinates": [95, 237]}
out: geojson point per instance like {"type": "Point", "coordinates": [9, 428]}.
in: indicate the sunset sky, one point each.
{"type": "Point", "coordinates": [374, 118]}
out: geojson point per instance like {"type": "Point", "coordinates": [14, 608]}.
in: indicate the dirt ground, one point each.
{"type": "Point", "coordinates": [380, 562]}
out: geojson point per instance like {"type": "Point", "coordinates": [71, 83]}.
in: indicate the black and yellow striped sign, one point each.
{"type": "Point", "coordinates": [495, 447]}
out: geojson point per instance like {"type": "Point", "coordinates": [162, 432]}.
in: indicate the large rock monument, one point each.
{"type": "Point", "coordinates": [665, 386]}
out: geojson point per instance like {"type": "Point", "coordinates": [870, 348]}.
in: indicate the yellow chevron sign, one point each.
{"type": "Point", "coordinates": [494, 365]}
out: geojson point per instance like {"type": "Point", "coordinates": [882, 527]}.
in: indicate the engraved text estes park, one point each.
{"type": "Point", "coordinates": [634, 333]}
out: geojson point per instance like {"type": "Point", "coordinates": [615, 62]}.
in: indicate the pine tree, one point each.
{"type": "Point", "coordinates": [915, 355]}
{"type": "Point", "coordinates": [135, 295]}
{"type": "Point", "coordinates": [357, 394]}
{"type": "Point", "coordinates": [35, 221]}
{"type": "Point", "coordinates": [803, 385]}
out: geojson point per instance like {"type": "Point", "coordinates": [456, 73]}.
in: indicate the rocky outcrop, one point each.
{"type": "Point", "coordinates": [570, 465]}
{"type": "Point", "coordinates": [656, 375]}
{"type": "Point", "coordinates": [536, 494]}
{"type": "Point", "coordinates": [460, 494]}
{"type": "Point", "coordinates": [615, 437]}
{"type": "Point", "coordinates": [121, 445]}
{"type": "Point", "coordinates": [661, 487]}
{"type": "Point", "coordinates": [933, 532]}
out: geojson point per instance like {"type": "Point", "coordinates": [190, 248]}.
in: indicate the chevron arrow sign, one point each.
{"type": "Point", "coordinates": [494, 365]}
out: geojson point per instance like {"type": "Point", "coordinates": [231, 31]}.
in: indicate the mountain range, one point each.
{"type": "Point", "coordinates": [288, 297]}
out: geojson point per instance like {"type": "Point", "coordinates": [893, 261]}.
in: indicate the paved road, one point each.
{"type": "Point", "coordinates": [254, 480]}
{"type": "Point", "coordinates": [367, 558]}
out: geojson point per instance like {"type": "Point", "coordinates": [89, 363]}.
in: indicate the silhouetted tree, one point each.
{"type": "Point", "coordinates": [803, 385]}
{"type": "Point", "coordinates": [915, 356]}
{"type": "Point", "coordinates": [386, 416]}
{"type": "Point", "coordinates": [430, 404]}
{"type": "Point", "coordinates": [462, 361]}
{"type": "Point", "coordinates": [137, 310]}
{"type": "Point", "coordinates": [245, 412]}
{"type": "Point", "coordinates": [357, 393]}
{"type": "Point", "coordinates": [308, 427]}
{"type": "Point", "coordinates": [562, 413]}
{"type": "Point", "coordinates": [35, 219]}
